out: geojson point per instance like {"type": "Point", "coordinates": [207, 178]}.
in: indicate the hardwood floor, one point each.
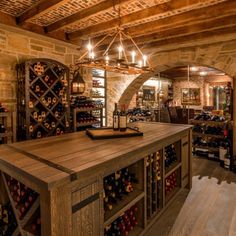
{"type": "Point", "coordinates": [208, 210]}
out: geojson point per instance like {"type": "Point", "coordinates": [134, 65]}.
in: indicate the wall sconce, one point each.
{"type": "Point", "coordinates": [77, 84]}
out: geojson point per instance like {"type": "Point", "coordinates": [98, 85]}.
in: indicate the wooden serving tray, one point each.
{"type": "Point", "coordinates": [107, 133]}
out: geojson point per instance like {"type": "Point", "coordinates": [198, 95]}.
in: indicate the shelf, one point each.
{"type": "Point", "coordinates": [98, 87]}
{"type": "Point", "coordinates": [88, 124]}
{"type": "Point", "coordinates": [172, 168]}
{"type": "Point", "coordinates": [3, 135]}
{"type": "Point", "coordinates": [208, 122]}
{"type": "Point", "coordinates": [16, 232]}
{"type": "Point", "coordinates": [123, 205]}
{"type": "Point", "coordinates": [208, 135]}
{"type": "Point", "coordinates": [4, 114]}
{"type": "Point", "coordinates": [87, 109]}
{"type": "Point", "coordinates": [213, 149]}
{"type": "Point", "coordinates": [169, 196]}
{"type": "Point", "coordinates": [136, 231]}
{"type": "Point", "coordinates": [97, 96]}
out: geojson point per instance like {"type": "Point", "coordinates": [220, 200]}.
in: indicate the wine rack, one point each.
{"type": "Point", "coordinates": [154, 183]}
{"type": "Point", "coordinates": [43, 99]}
{"type": "Point", "coordinates": [130, 222]}
{"type": "Point", "coordinates": [172, 156]}
{"type": "Point", "coordinates": [172, 184]}
{"type": "Point", "coordinates": [5, 133]}
{"type": "Point", "coordinates": [98, 91]}
{"type": "Point", "coordinates": [24, 208]}
{"type": "Point", "coordinates": [86, 113]}
{"type": "Point", "coordinates": [121, 189]}
{"type": "Point", "coordinates": [208, 136]}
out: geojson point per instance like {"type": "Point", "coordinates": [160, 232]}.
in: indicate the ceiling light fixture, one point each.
{"type": "Point", "coordinates": [202, 73]}
{"type": "Point", "coordinates": [125, 61]}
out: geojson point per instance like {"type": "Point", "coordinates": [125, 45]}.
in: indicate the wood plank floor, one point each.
{"type": "Point", "coordinates": [208, 210]}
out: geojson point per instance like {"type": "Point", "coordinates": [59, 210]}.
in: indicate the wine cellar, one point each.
{"type": "Point", "coordinates": [128, 198]}
{"type": "Point", "coordinates": [117, 118]}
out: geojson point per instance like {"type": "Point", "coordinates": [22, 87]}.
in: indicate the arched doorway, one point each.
{"type": "Point", "coordinates": [171, 60]}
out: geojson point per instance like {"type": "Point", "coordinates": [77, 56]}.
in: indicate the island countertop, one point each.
{"type": "Point", "coordinates": [57, 160]}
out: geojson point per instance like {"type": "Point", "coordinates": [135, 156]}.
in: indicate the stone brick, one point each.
{"type": "Point", "coordinates": [18, 43]}
{"type": "Point", "coordinates": [41, 43]}
{"type": "Point", "coordinates": [60, 49]}
{"type": "Point", "coordinates": [36, 48]}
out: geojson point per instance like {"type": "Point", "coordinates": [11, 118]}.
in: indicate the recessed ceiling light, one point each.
{"type": "Point", "coordinates": [202, 73]}
{"type": "Point", "coordinates": [193, 68]}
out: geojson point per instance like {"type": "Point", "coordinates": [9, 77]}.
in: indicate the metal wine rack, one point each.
{"type": "Point", "coordinates": [42, 99]}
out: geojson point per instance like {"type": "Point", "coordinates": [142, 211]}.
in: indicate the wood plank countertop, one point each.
{"type": "Point", "coordinates": [56, 160]}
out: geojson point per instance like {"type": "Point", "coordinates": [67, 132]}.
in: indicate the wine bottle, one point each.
{"type": "Point", "coordinates": [115, 118]}
{"type": "Point", "coordinates": [227, 160]}
{"type": "Point", "coordinates": [123, 119]}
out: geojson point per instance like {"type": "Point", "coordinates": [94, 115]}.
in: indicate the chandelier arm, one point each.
{"type": "Point", "coordinates": [148, 62]}
{"type": "Point", "coordinates": [112, 41]}
{"type": "Point", "coordinates": [121, 43]}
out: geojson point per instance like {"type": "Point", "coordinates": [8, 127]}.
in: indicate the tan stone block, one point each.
{"type": "Point", "coordinates": [41, 43]}
{"type": "Point", "coordinates": [69, 59]}
{"type": "Point", "coordinates": [18, 43]}
{"type": "Point", "coordinates": [60, 49]}
{"type": "Point", "coordinates": [229, 46]}
{"type": "Point", "coordinates": [36, 48]}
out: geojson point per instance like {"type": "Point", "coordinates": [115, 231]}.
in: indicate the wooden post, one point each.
{"type": "Point", "coordinates": [234, 116]}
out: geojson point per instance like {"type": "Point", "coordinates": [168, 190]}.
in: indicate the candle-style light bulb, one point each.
{"type": "Point", "coordinates": [140, 63]}
{"type": "Point", "coordinates": [133, 56]}
{"type": "Point", "coordinates": [107, 59]}
{"type": "Point", "coordinates": [120, 51]}
{"type": "Point", "coordinates": [92, 55]}
{"type": "Point", "coordinates": [144, 60]}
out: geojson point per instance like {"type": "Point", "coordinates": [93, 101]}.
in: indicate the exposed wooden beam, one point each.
{"type": "Point", "coordinates": [135, 17]}
{"type": "Point", "coordinates": [185, 17]}
{"type": "Point", "coordinates": [191, 17]}
{"type": "Point", "coordinates": [181, 41]}
{"type": "Point", "coordinates": [88, 12]}
{"type": "Point", "coordinates": [40, 7]}
{"type": "Point", "coordinates": [7, 19]}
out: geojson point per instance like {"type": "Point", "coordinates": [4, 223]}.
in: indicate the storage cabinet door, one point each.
{"type": "Point", "coordinates": [185, 160]}
{"type": "Point", "coordinates": [86, 211]}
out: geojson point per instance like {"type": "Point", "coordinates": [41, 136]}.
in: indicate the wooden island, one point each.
{"type": "Point", "coordinates": [67, 175]}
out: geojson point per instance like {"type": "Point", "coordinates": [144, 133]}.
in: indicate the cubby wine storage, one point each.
{"type": "Point", "coordinates": [98, 187]}
{"type": "Point", "coordinates": [43, 99]}
{"type": "Point", "coordinates": [24, 210]}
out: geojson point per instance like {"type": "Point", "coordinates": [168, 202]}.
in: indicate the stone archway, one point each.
{"type": "Point", "coordinates": [221, 56]}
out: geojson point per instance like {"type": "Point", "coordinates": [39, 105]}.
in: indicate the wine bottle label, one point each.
{"type": "Point", "coordinates": [31, 128]}
{"type": "Point", "coordinates": [222, 152]}
{"type": "Point", "coordinates": [123, 121]}
{"type": "Point", "coordinates": [43, 114]}
{"type": "Point", "coordinates": [31, 105]}
{"type": "Point", "coordinates": [116, 122]}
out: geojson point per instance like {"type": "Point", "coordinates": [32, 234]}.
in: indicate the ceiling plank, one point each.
{"type": "Point", "coordinates": [88, 12]}
{"type": "Point", "coordinates": [136, 16]}
{"type": "Point", "coordinates": [40, 7]}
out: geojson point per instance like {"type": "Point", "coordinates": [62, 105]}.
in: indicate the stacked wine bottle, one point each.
{"type": "Point", "coordinates": [170, 156]}
{"type": "Point", "coordinates": [117, 186]}
{"type": "Point", "coordinates": [171, 182]}
{"type": "Point", "coordinates": [153, 166]}
{"type": "Point", "coordinates": [124, 224]}
{"type": "Point", "coordinates": [24, 198]}
{"type": "Point", "coordinates": [8, 222]}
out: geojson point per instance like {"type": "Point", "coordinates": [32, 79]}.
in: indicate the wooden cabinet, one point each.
{"type": "Point", "coordinates": [68, 173]}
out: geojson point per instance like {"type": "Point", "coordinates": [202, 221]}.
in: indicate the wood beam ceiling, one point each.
{"type": "Point", "coordinates": [182, 31]}
{"type": "Point", "coordinates": [135, 17]}
{"type": "Point", "coordinates": [88, 12]}
{"type": "Point", "coordinates": [40, 7]}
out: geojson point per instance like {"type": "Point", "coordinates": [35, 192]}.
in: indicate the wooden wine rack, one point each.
{"type": "Point", "coordinates": [70, 181]}
{"type": "Point", "coordinates": [24, 223]}
{"type": "Point", "coordinates": [43, 89]}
